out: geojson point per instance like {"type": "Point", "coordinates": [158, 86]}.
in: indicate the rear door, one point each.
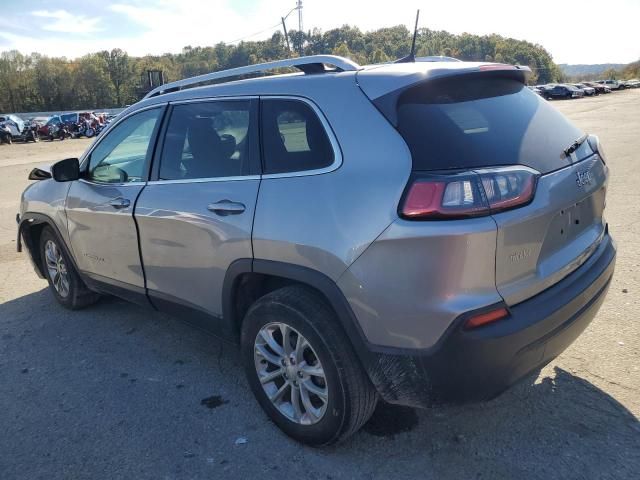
{"type": "Point", "coordinates": [100, 205]}
{"type": "Point", "coordinates": [195, 215]}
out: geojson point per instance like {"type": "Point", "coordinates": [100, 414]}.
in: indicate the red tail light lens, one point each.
{"type": "Point", "coordinates": [469, 194]}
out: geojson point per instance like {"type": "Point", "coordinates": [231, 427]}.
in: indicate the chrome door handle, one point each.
{"type": "Point", "coordinates": [226, 207]}
{"type": "Point", "coordinates": [120, 202]}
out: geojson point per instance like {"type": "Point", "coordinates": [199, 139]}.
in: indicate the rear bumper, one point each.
{"type": "Point", "coordinates": [479, 364]}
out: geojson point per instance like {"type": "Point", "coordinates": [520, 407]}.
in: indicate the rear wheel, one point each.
{"type": "Point", "coordinates": [65, 283]}
{"type": "Point", "coordinates": [302, 369]}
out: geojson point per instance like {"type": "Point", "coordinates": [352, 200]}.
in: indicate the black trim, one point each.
{"type": "Point", "coordinates": [229, 286]}
{"type": "Point", "coordinates": [479, 364]}
{"type": "Point", "coordinates": [154, 171]}
{"type": "Point", "coordinates": [26, 221]}
{"type": "Point", "coordinates": [159, 129]}
{"type": "Point", "coordinates": [328, 288]}
{"type": "Point", "coordinates": [193, 315]}
{"type": "Point", "coordinates": [110, 286]}
{"type": "Point", "coordinates": [306, 276]}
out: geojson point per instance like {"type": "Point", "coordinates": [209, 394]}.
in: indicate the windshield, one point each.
{"type": "Point", "coordinates": [69, 117]}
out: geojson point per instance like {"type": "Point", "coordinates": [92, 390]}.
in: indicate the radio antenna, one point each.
{"type": "Point", "coordinates": [412, 55]}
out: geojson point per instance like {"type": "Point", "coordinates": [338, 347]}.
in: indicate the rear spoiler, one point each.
{"type": "Point", "coordinates": [384, 86]}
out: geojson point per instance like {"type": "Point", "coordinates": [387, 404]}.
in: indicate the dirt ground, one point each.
{"type": "Point", "coordinates": [115, 391]}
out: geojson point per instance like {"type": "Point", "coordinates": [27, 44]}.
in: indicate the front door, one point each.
{"type": "Point", "coordinates": [195, 216]}
{"type": "Point", "coordinates": [100, 205]}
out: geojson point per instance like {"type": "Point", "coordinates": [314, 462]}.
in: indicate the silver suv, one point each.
{"type": "Point", "coordinates": [420, 233]}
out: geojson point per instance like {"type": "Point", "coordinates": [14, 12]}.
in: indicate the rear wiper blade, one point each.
{"type": "Point", "coordinates": [575, 145]}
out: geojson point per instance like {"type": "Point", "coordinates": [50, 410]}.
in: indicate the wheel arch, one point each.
{"type": "Point", "coordinates": [247, 280]}
{"type": "Point", "coordinates": [394, 374]}
{"type": "Point", "coordinates": [30, 229]}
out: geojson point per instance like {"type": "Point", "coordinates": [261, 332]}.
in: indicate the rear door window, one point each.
{"type": "Point", "coordinates": [293, 137]}
{"type": "Point", "coordinates": [471, 122]}
{"type": "Point", "coordinates": [211, 140]}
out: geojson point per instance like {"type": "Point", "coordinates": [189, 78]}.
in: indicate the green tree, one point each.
{"type": "Point", "coordinates": [120, 71]}
{"type": "Point", "coordinates": [36, 82]}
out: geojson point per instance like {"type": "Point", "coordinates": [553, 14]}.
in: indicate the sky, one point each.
{"type": "Point", "coordinates": [586, 31]}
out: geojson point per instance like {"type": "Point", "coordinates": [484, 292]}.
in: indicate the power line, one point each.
{"type": "Point", "coordinates": [277, 25]}
{"type": "Point", "coordinates": [298, 7]}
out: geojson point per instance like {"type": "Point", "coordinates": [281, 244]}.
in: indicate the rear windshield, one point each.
{"type": "Point", "coordinates": [470, 122]}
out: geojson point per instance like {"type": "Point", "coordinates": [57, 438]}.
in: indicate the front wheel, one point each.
{"type": "Point", "coordinates": [302, 369]}
{"type": "Point", "coordinates": [65, 283]}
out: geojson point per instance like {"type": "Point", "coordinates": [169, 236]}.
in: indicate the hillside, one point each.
{"type": "Point", "coordinates": [594, 70]}
{"type": "Point", "coordinates": [111, 79]}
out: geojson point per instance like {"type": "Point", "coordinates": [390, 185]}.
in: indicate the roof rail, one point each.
{"type": "Point", "coordinates": [310, 64]}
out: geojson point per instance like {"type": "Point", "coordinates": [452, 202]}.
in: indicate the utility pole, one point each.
{"type": "Point", "coordinates": [298, 7]}
{"type": "Point", "coordinates": [286, 36]}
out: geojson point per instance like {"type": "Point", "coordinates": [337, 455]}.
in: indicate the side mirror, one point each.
{"type": "Point", "coordinates": [66, 170]}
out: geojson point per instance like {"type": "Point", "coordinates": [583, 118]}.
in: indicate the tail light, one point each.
{"type": "Point", "coordinates": [469, 194]}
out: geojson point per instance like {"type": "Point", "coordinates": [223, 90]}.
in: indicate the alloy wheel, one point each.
{"type": "Point", "coordinates": [291, 373]}
{"type": "Point", "coordinates": [57, 268]}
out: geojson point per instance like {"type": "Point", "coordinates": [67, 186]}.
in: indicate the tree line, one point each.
{"type": "Point", "coordinates": [627, 72]}
{"type": "Point", "coordinates": [113, 78]}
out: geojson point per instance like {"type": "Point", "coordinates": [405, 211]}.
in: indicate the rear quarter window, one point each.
{"type": "Point", "coordinates": [293, 137]}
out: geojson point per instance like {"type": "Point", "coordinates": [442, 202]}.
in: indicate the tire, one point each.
{"type": "Point", "coordinates": [350, 397]}
{"type": "Point", "coordinates": [89, 133]}
{"type": "Point", "coordinates": [67, 287]}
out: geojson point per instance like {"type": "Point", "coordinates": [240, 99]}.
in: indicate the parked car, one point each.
{"type": "Point", "coordinates": [535, 90]}
{"type": "Point", "coordinates": [588, 91]}
{"type": "Point", "coordinates": [633, 83]}
{"type": "Point", "coordinates": [268, 211]}
{"type": "Point", "coordinates": [14, 128]}
{"type": "Point", "coordinates": [612, 84]}
{"type": "Point", "coordinates": [600, 88]}
{"type": "Point", "coordinates": [14, 120]}
{"type": "Point", "coordinates": [562, 91]}
{"type": "Point", "coordinates": [5, 134]}
{"type": "Point", "coordinates": [43, 131]}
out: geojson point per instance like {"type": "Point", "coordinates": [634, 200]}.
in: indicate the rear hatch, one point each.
{"type": "Point", "coordinates": [541, 243]}
{"type": "Point", "coordinates": [473, 120]}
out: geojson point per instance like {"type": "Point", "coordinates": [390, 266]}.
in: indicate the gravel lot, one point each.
{"type": "Point", "coordinates": [116, 391]}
